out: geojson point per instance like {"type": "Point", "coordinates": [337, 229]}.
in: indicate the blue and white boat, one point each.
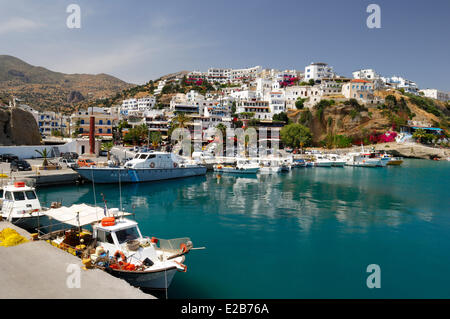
{"type": "Point", "coordinates": [144, 167]}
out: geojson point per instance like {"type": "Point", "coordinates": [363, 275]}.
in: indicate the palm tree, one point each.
{"type": "Point", "coordinates": [181, 120]}
{"type": "Point", "coordinates": [155, 138]}
{"type": "Point", "coordinates": [45, 155]}
{"type": "Point", "coordinates": [107, 147]}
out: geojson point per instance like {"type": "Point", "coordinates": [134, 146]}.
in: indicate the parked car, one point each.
{"type": "Point", "coordinates": [20, 165]}
{"type": "Point", "coordinates": [68, 162]}
{"type": "Point", "coordinates": [8, 157]}
{"type": "Point", "coordinates": [69, 155]}
{"type": "Point", "coordinates": [86, 162]}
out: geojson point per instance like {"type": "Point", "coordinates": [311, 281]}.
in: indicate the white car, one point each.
{"type": "Point", "coordinates": [69, 162]}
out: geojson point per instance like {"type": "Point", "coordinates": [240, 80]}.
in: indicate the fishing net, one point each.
{"type": "Point", "coordinates": [10, 237]}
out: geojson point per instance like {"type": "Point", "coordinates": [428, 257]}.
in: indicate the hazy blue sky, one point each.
{"type": "Point", "coordinates": [142, 40]}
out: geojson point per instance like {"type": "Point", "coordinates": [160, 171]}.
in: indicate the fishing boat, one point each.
{"type": "Point", "coordinates": [115, 244]}
{"type": "Point", "coordinates": [299, 163]}
{"type": "Point", "coordinates": [144, 167]}
{"type": "Point", "coordinates": [20, 205]}
{"type": "Point", "coordinates": [243, 166]}
{"type": "Point", "coordinates": [268, 166]}
{"type": "Point", "coordinates": [336, 160]}
{"type": "Point", "coordinates": [322, 161]}
{"type": "Point", "coordinates": [362, 160]}
{"type": "Point", "coordinates": [390, 160]}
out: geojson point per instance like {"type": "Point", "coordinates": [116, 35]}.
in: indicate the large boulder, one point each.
{"type": "Point", "coordinates": [18, 127]}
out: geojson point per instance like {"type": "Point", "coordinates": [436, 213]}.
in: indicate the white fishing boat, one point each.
{"type": "Point", "coordinates": [336, 160]}
{"type": "Point", "coordinates": [362, 160]}
{"type": "Point", "coordinates": [322, 160]}
{"type": "Point", "coordinates": [269, 166]}
{"type": "Point", "coordinates": [116, 245]}
{"type": "Point", "coordinates": [20, 205]}
{"type": "Point", "coordinates": [243, 166]}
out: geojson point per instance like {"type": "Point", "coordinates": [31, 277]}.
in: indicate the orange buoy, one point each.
{"type": "Point", "coordinates": [108, 221]}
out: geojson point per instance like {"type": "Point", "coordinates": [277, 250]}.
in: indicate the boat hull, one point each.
{"type": "Point", "coordinates": [236, 170]}
{"type": "Point", "coordinates": [150, 280]}
{"type": "Point", "coordinates": [395, 162]}
{"type": "Point", "coordinates": [111, 175]}
{"type": "Point", "coordinates": [338, 164]}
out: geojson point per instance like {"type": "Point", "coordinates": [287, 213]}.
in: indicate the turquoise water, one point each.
{"type": "Point", "coordinates": [309, 233]}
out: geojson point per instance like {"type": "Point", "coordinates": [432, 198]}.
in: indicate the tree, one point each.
{"type": "Point", "coordinates": [296, 135]}
{"type": "Point", "coordinates": [44, 154]}
{"type": "Point", "coordinates": [299, 104]}
{"type": "Point", "coordinates": [155, 138]}
{"type": "Point", "coordinates": [420, 134]}
{"type": "Point", "coordinates": [107, 147]}
{"type": "Point", "coordinates": [312, 82]}
{"type": "Point", "coordinates": [181, 120]}
{"type": "Point", "coordinates": [281, 117]}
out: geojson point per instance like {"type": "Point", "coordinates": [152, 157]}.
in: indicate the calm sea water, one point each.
{"type": "Point", "coordinates": [309, 233]}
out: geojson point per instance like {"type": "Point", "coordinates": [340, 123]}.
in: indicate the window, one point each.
{"type": "Point", "coordinates": [8, 196]}
{"type": "Point", "coordinates": [19, 196]}
{"type": "Point", "coordinates": [1, 193]}
{"type": "Point", "coordinates": [143, 156]}
{"type": "Point", "coordinates": [30, 195]}
{"type": "Point", "coordinates": [127, 234]}
{"type": "Point", "coordinates": [104, 236]}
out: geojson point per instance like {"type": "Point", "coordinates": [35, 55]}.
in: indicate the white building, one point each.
{"type": "Point", "coordinates": [401, 83]}
{"type": "Point", "coordinates": [369, 75]}
{"type": "Point", "coordinates": [161, 85]}
{"type": "Point", "coordinates": [318, 71]}
{"type": "Point", "coordinates": [277, 102]}
{"type": "Point", "coordinates": [219, 75]}
{"type": "Point", "coordinates": [436, 94]}
{"type": "Point", "coordinates": [239, 75]}
{"type": "Point", "coordinates": [137, 107]}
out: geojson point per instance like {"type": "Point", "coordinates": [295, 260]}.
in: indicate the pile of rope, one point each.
{"type": "Point", "coordinates": [10, 237]}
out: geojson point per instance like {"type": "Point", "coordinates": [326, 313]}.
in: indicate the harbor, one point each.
{"type": "Point", "coordinates": [320, 210]}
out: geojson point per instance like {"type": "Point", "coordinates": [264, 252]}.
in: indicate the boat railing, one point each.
{"type": "Point", "coordinates": [173, 245]}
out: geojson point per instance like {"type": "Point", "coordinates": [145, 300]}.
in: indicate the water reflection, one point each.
{"type": "Point", "coordinates": [355, 197]}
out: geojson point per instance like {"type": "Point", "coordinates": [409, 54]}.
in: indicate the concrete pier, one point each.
{"type": "Point", "coordinates": [36, 269]}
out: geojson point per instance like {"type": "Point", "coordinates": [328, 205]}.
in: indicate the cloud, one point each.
{"type": "Point", "coordinates": [18, 24]}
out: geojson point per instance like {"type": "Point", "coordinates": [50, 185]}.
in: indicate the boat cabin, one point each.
{"type": "Point", "coordinates": [152, 159]}
{"type": "Point", "coordinates": [18, 200]}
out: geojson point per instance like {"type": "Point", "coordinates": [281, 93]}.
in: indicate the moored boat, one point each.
{"type": "Point", "coordinates": [116, 245]}
{"type": "Point", "coordinates": [144, 167]}
{"type": "Point", "coordinates": [20, 205]}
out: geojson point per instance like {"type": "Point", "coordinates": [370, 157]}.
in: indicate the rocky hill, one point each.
{"type": "Point", "coordinates": [350, 123]}
{"type": "Point", "coordinates": [48, 90]}
{"type": "Point", "coordinates": [12, 123]}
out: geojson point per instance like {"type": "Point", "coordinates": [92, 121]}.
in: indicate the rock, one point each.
{"type": "Point", "coordinates": [18, 127]}
{"type": "Point", "coordinates": [75, 97]}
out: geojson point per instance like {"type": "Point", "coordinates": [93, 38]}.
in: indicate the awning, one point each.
{"type": "Point", "coordinates": [80, 215]}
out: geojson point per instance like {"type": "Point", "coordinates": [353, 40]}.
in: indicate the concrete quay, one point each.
{"type": "Point", "coordinates": [36, 269]}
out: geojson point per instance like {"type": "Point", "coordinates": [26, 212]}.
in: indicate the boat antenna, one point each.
{"type": "Point", "coordinates": [120, 192]}
{"type": "Point", "coordinates": [93, 188]}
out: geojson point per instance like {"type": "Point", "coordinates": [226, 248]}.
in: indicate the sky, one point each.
{"type": "Point", "coordinates": [138, 41]}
